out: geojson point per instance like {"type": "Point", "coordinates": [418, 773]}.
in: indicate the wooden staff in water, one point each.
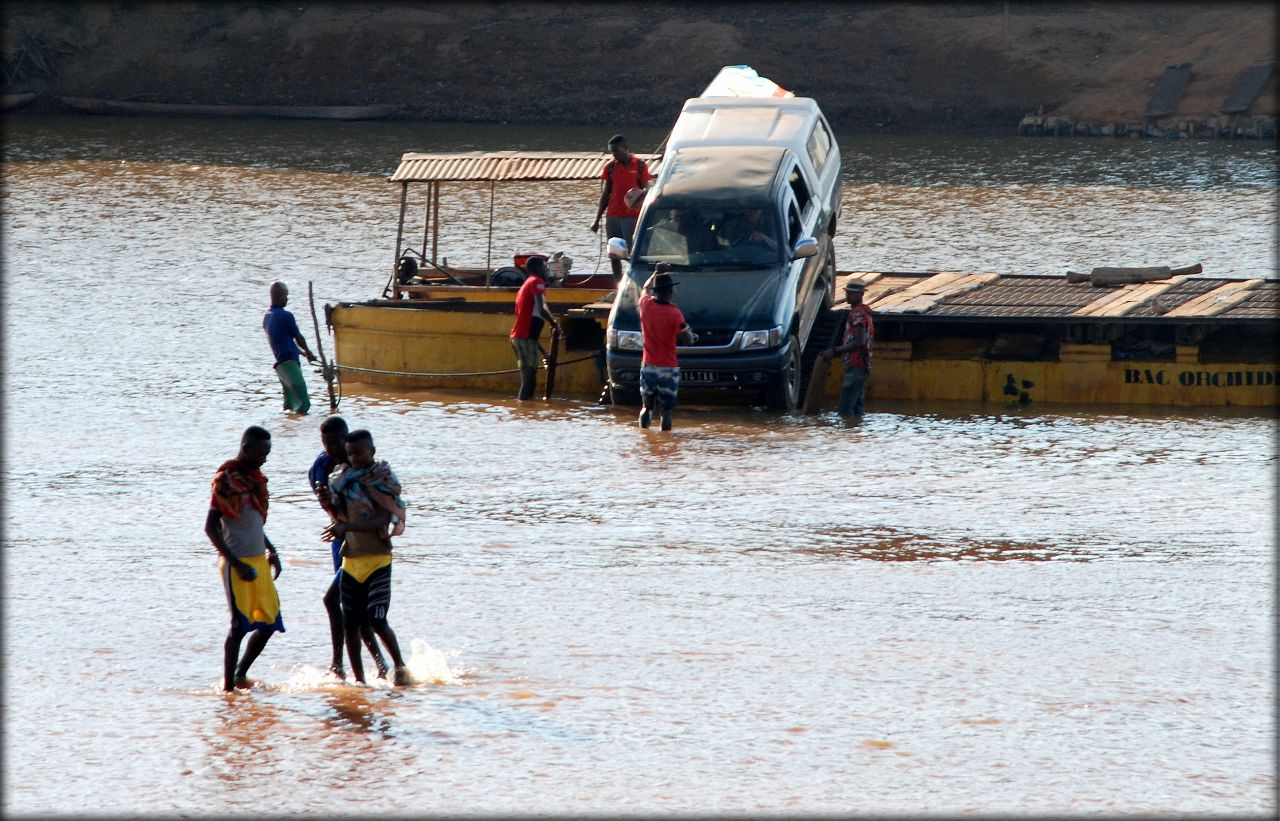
{"type": "Point", "coordinates": [818, 376]}
{"type": "Point", "coordinates": [551, 362]}
{"type": "Point", "coordinates": [324, 364]}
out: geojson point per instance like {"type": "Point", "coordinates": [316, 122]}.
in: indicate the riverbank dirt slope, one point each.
{"type": "Point", "coordinates": [962, 66]}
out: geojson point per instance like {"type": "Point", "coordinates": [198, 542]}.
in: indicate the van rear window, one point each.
{"type": "Point", "coordinates": [709, 237]}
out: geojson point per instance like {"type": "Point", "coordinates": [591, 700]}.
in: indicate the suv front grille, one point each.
{"type": "Point", "coordinates": [713, 337]}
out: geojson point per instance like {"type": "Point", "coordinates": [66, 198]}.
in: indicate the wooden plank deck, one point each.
{"type": "Point", "coordinates": [1121, 302]}
{"type": "Point", "coordinates": [889, 294]}
{"type": "Point", "coordinates": [1218, 300]}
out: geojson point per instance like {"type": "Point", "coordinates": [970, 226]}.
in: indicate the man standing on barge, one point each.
{"type": "Point", "coordinates": [286, 340]}
{"type": "Point", "coordinates": [859, 331]}
{"type": "Point", "coordinates": [623, 173]}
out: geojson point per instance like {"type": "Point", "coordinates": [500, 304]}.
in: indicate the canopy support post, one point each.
{"type": "Point", "coordinates": [395, 264]}
{"type": "Point", "coordinates": [435, 220]}
{"type": "Point", "coordinates": [426, 222]}
{"type": "Point", "coordinates": [488, 254]}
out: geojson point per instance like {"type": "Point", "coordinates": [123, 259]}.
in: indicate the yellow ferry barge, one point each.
{"type": "Point", "coordinates": [1175, 341]}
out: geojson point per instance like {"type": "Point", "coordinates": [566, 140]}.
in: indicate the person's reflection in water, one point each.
{"type": "Point", "coordinates": [243, 745]}
{"type": "Point", "coordinates": [354, 711]}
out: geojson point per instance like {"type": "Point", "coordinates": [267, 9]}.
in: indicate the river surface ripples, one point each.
{"type": "Point", "coordinates": [945, 608]}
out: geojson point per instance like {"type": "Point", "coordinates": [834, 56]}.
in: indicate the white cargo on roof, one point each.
{"type": "Point", "coordinates": [745, 121]}
{"type": "Point", "coordinates": [793, 123]}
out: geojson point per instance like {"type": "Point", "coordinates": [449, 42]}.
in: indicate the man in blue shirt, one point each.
{"type": "Point", "coordinates": [333, 435]}
{"type": "Point", "coordinates": [286, 340]}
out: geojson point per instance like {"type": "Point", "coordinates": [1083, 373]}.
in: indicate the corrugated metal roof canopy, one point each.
{"type": "Point", "coordinates": [504, 166]}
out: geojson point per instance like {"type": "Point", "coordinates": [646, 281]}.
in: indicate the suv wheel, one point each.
{"type": "Point", "coordinates": [785, 394]}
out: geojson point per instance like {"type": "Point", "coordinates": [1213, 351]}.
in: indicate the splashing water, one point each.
{"type": "Point", "coordinates": [427, 665]}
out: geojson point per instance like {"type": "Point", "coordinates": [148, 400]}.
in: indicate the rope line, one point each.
{"type": "Point", "coordinates": [355, 369]}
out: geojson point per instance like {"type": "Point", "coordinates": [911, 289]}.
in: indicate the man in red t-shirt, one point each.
{"type": "Point", "coordinates": [531, 313]}
{"type": "Point", "coordinates": [859, 331]}
{"type": "Point", "coordinates": [662, 325]}
{"type": "Point", "coordinates": [621, 174]}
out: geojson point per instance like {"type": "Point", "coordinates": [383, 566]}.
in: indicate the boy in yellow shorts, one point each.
{"type": "Point", "coordinates": [365, 496]}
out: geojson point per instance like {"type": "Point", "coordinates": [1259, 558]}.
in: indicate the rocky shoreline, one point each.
{"type": "Point", "coordinates": [959, 67]}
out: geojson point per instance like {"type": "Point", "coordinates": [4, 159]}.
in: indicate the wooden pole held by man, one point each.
{"type": "Point", "coordinates": [552, 355]}
{"type": "Point", "coordinates": [324, 364]}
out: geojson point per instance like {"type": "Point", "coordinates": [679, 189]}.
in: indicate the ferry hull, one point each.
{"type": "Point", "coordinates": [425, 348]}
{"type": "Point", "coordinates": [1081, 377]}
{"type": "Point", "coordinates": [458, 348]}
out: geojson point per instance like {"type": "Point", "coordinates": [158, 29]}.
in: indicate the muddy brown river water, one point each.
{"type": "Point", "coordinates": [943, 609]}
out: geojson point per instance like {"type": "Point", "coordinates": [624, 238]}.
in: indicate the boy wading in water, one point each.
{"type": "Point", "coordinates": [237, 515]}
{"type": "Point", "coordinates": [366, 498]}
{"type": "Point", "coordinates": [333, 437]}
{"type": "Point", "coordinates": [287, 344]}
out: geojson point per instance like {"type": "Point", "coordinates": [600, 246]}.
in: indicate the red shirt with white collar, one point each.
{"type": "Point", "coordinates": [859, 317]}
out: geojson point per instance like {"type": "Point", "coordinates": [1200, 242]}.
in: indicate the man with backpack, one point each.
{"type": "Point", "coordinates": [623, 173]}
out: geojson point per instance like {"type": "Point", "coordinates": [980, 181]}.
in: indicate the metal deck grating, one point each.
{"type": "Point", "coordinates": [1023, 294]}
{"type": "Point", "coordinates": [1263, 303]}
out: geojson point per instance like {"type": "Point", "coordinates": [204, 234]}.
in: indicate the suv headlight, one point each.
{"type": "Point", "coordinates": [771, 338]}
{"type": "Point", "coordinates": [625, 340]}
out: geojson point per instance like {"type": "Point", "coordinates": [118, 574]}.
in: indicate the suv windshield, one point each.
{"type": "Point", "coordinates": [707, 237]}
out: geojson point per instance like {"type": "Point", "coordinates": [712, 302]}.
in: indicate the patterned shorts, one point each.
{"type": "Point", "coordinates": [662, 382]}
{"type": "Point", "coordinates": [527, 353]}
{"type": "Point", "coordinates": [366, 602]}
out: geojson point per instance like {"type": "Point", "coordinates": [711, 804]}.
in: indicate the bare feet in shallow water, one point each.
{"type": "Point", "coordinates": [402, 677]}
{"type": "Point", "coordinates": [246, 683]}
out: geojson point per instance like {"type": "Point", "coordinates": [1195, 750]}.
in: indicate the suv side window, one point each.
{"type": "Point", "coordinates": [819, 145]}
{"type": "Point", "coordinates": [798, 186]}
{"type": "Point", "coordinates": [794, 227]}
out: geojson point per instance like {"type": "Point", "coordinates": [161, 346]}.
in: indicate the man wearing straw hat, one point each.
{"type": "Point", "coordinates": [662, 325]}
{"type": "Point", "coordinates": [859, 331]}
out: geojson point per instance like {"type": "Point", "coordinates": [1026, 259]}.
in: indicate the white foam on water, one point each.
{"type": "Point", "coordinates": [427, 665]}
{"type": "Point", "coordinates": [309, 678]}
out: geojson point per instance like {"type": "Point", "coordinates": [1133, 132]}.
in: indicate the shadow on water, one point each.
{"type": "Point", "coordinates": [884, 545]}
